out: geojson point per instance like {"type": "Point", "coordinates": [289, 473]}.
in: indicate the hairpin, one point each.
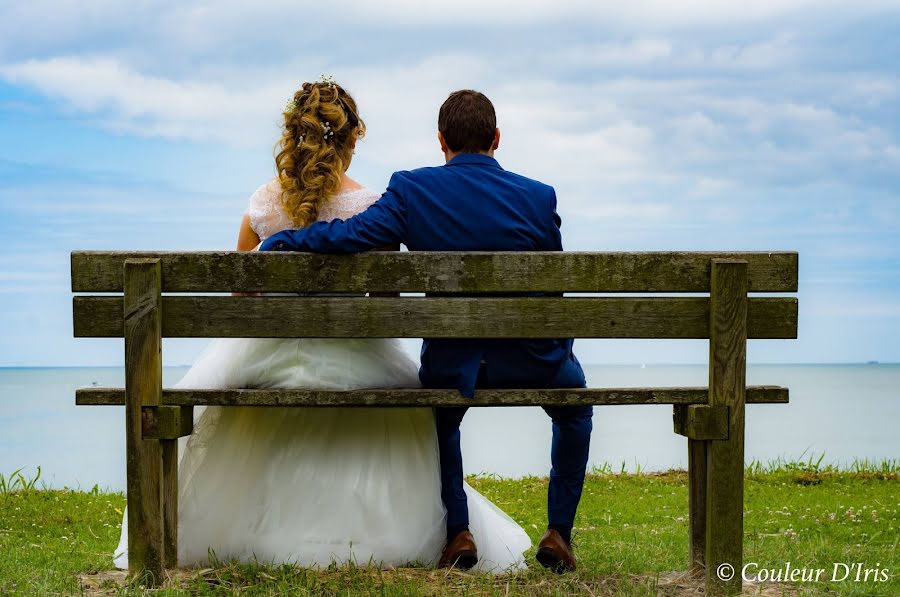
{"type": "Point", "coordinates": [327, 80]}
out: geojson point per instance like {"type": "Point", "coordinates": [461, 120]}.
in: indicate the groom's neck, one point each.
{"type": "Point", "coordinates": [449, 155]}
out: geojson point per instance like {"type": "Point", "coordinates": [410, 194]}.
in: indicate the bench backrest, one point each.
{"type": "Point", "coordinates": [467, 283]}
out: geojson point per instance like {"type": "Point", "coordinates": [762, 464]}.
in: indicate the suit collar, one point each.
{"type": "Point", "coordinates": [474, 158]}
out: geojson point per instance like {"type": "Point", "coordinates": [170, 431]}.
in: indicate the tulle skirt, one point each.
{"type": "Point", "coordinates": [318, 486]}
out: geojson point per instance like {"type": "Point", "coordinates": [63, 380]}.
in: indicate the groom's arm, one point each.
{"type": "Point", "coordinates": [382, 224]}
{"type": "Point", "coordinates": [553, 239]}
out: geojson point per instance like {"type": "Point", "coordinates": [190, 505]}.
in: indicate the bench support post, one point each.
{"type": "Point", "coordinates": [143, 387]}
{"type": "Point", "coordinates": [697, 483]}
{"type": "Point", "coordinates": [170, 501]}
{"type": "Point", "coordinates": [701, 421]}
{"type": "Point", "coordinates": [725, 458]}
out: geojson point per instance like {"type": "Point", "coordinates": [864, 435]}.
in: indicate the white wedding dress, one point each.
{"type": "Point", "coordinates": [316, 486]}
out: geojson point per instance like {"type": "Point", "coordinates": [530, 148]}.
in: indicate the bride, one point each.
{"type": "Point", "coordinates": [316, 486]}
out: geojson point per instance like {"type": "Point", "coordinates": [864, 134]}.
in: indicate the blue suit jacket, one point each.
{"type": "Point", "coordinates": [469, 204]}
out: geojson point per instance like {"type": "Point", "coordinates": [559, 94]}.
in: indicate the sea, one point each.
{"type": "Point", "coordinates": [839, 413]}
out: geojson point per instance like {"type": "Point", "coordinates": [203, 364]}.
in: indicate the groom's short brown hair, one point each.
{"type": "Point", "coordinates": [467, 122]}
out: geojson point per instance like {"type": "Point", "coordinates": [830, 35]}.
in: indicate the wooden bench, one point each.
{"type": "Point", "coordinates": [711, 418]}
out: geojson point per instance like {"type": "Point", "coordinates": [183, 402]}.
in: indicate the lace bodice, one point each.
{"type": "Point", "coordinates": [267, 216]}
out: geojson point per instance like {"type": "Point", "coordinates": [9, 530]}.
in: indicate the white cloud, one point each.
{"type": "Point", "coordinates": [226, 31]}
{"type": "Point", "coordinates": [694, 135]}
{"type": "Point", "coordinates": [145, 105]}
{"type": "Point", "coordinates": [711, 186]}
{"type": "Point", "coordinates": [639, 52]}
{"type": "Point", "coordinates": [686, 134]}
{"type": "Point", "coordinates": [617, 210]}
{"type": "Point", "coordinates": [776, 52]}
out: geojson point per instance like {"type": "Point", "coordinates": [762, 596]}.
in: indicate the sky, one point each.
{"type": "Point", "coordinates": [663, 125]}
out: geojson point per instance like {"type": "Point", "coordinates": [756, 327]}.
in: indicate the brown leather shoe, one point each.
{"type": "Point", "coordinates": [460, 553]}
{"type": "Point", "coordinates": [554, 553]}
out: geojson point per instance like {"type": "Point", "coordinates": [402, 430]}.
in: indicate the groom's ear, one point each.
{"type": "Point", "coordinates": [496, 144]}
{"type": "Point", "coordinates": [443, 143]}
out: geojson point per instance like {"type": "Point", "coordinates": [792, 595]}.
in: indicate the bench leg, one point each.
{"type": "Point", "coordinates": [725, 508]}
{"type": "Point", "coordinates": [170, 502]}
{"type": "Point", "coordinates": [697, 484]}
{"type": "Point", "coordinates": [143, 387]}
{"type": "Point", "coordinates": [145, 533]}
{"type": "Point", "coordinates": [725, 457]}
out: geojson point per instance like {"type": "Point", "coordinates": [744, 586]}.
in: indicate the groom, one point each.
{"type": "Point", "coordinates": [472, 204]}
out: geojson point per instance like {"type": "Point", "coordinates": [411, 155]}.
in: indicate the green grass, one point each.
{"type": "Point", "coordinates": [630, 528]}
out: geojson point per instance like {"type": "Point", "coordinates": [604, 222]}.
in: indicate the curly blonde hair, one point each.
{"type": "Point", "coordinates": [321, 126]}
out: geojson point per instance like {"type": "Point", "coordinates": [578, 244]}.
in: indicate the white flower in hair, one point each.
{"type": "Point", "coordinates": [327, 133]}
{"type": "Point", "coordinates": [327, 80]}
{"type": "Point", "coordinates": [291, 106]}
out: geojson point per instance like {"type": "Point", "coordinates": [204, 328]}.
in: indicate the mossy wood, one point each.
{"type": "Point", "coordinates": [166, 422]}
{"type": "Point", "coordinates": [697, 479]}
{"type": "Point", "coordinates": [427, 397]}
{"type": "Point", "coordinates": [701, 421]}
{"type": "Point", "coordinates": [435, 317]}
{"type": "Point", "coordinates": [143, 389]}
{"type": "Point", "coordinates": [169, 449]}
{"type": "Point", "coordinates": [725, 458]}
{"type": "Point", "coordinates": [450, 272]}
{"type": "Point", "coordinates": [712, 418]}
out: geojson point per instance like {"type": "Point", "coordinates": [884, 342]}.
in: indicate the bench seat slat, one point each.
{"type": "Point", "coordinates": [435, 317]}
{"type": "Point", "coordinates": [428, 397]}
{"type": "Point", "coordinates": [448, 272]}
